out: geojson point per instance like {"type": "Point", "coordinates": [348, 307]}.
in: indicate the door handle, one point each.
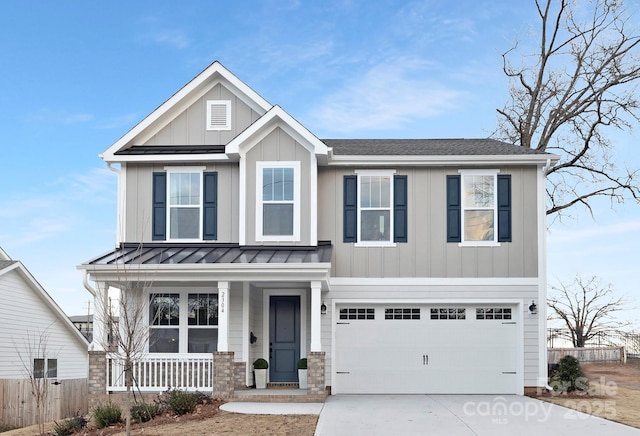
{"type": "Point", "coordinates": [425, 359]}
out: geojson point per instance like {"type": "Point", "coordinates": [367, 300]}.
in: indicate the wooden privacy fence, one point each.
{"type": "Point", "coordinates": [63, 401]}
{"type": "Point", "coordinates": [588, 355]}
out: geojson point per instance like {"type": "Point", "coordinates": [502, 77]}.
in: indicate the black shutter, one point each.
{"type": "Point", "coordinates": [159, 207]}
{"type": "Point", "coordinates": [350, 214]}
{"type": "Point", "coordinates": [210, 205]}
{"type": "Point", "coordinates": [400, 209]}
{"type": "Point", "coordinates": [504, 208]}
{"type": "Point", "coordinates": [454, 212]}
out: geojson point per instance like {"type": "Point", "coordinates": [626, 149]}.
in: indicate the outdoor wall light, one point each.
{"type": "Point", "coordinates": [252, 338]}
{"type": "Point", "coordinates": [533, 309]}
{"type": "Point", "coordinates": [323, 308]}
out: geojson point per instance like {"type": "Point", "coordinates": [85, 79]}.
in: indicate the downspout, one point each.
{"type": "Point", "coordinates": [543, 302]}
{"type": "Point", "coordinates": [88, 287]}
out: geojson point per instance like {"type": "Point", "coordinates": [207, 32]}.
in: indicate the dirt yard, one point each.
{"type": "Point", "coordinates": [614, 393]}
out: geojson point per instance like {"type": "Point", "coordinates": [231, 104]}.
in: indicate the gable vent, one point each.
{"type": "Point", "coordinates": [218, 115]}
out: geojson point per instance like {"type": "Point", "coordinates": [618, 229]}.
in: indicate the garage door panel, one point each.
{"type": "Point", "coordinates": [426, 356]}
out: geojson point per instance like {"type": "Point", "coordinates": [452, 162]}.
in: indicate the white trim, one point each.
{"type": "Point", "coordinates": [199, 206]}
{"type": "Point", "coordinates": [260, 167]}
{"type": "Point", "coordinates": [542, 274]}
{"type": "Point", "coordinates": [185, 169]}
{"type": "Point", "coordinates": [518, 303]}
{"type": "Point", "coordinates": [242, 203]}
{"type": "Point", "coordinates": [246, 295]}
{"type": "Point", "coordinates": [375, 173]}
{"type": "Point", "coordinates": [439, 161]}
{"type": "Point", "coordinates": [266, 306]}
{"type": "Point", "coordinates": [463, 207]}
{"type": "Point", "coordinates": [313, 206]}
{"type": "Point", "coordinates": [224, 307]}
{"type": "Point", "coordinates": [199, 158]}
{"type": "Point", "coordinates": [434, 281]}
{"type": "Point", "coordinates": [316, 323]}
{"type": "Point", "coordinates": [121, 208]}
{"type": "Point", "coordinates": [227, 116]}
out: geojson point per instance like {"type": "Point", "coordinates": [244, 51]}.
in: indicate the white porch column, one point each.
{"type": "Point", "coordinates": [316, 344]}
{"type": "Point", "coordinates": [223, 316]}
{"type": "Point", "coordinates": [100, 317]}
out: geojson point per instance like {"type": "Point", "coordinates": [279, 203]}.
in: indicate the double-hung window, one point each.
{"type": "Point", "coordinates": [479, 207]}
{"type": "Point", "coordinates": [185, 204]}
{"type": "Point", "coordinates": [183, 322]}
{"type": "Point", "coordinates": [278, 201]}
{"type": "Point", "coordinates": [45, 368]}
{"type": "Point", "coordinates": [375, 199]}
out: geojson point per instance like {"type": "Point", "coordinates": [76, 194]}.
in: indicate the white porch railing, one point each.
{"type": "Point", "coordinates": [160, 372]}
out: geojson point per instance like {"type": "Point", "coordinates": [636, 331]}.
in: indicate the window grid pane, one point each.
{"type": "Point", "coordinates": [402, 313]}
{"type": "Point", "coordinates": [203, 310]}
{"type": "Point", "coordinates": [357, 313]}
{"type": "Point", "coordinates": [164, 309]}
{"type": "Point", "coordinates": [448, 313]}
{"type": "Point", "coordinates": [499, 313]}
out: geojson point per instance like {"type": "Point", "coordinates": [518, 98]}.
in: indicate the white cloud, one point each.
{"type": "Point", "coordinates": [60, 116]}
{"type": "Point", "coordinates": [568, 236]}
{"type": "Point", "coordinates": [124, 120]}
{"type": "Point", "coordinates": [175, 38]}
{"type": "Point", "coordinates": [387, 96]}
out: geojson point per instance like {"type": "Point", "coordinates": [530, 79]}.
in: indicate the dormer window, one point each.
{"type": "Point", "coordinates": [218, 115]}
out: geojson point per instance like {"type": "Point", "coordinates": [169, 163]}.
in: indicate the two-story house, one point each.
{"type": "Point", "coordinates": [396, 266]}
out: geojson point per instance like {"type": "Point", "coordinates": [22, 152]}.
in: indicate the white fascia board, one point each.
{"type": "Point", "coordinates": [434, 281]}
{"type": "Point", "coordinates": [277, 117]}
{"type": "Point", "coordinates": [341, 301]}
{"type": "Point", "coordinates": [211, 272]}
{"type": "Point", "coordinates": [448, 160]}
{"type": "Point", "coordinates": [50, 302]}
{"type": "Point", "coordinates": [244, 92]}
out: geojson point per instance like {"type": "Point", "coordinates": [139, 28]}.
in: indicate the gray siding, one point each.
{"type": "Point", "coordinates": [279, 146]}
{"type": "Point", "coordinates": [189, 128]}
{"type": "Point", "coordinates": [427, 254]}
{"type": "Point", "coordinates": [138, 200]}
{"type": "Point", "coordinates": [235, 321]}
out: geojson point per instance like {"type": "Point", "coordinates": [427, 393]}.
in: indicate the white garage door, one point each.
{"type": "Point", "coordinates": [426, 349]}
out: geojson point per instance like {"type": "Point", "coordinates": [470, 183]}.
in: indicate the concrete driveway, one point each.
{"type": "Point", "coordinates": [462, 415]}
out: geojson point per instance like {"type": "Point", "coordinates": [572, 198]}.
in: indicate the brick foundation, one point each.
{"type": "Point", "coordinates": [97, 383]}
{"type": "Point", "coordinates": [223, 374]}
{"type": "Point", "coordinates": [240, 375]}
{"type": "Point", "coordinates": [315, 373]}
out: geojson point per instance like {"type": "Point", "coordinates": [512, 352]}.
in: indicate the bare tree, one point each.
{"type": "Point", "coordinates": [586, 307]}
{"type": "Point", "coordinates": [579, 84]}
{"type": "Point", "coordinates": [127, 323]}
{"type": "Point", "coordinates": [34, 357]}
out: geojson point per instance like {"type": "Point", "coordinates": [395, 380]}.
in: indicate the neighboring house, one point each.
{"type": "Point", "coordinates": [36, 337]}
{"type": "Point", "coordinates": [39, 346]}
{"type": "Point", "coordinates": [395, 265]}
{"type": "Point", "coordinates": [84, 323]}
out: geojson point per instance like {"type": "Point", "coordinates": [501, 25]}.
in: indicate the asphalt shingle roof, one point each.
{"type": "Point", "coordinates": [426, 147]}
{"type": "Point", "coordinates": [6, 263]}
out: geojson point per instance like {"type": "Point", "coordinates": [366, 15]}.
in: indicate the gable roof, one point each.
{"type": "Point", "coordinates": [11, 265]}
{"type": "Point", "coordinates": [209, 77]}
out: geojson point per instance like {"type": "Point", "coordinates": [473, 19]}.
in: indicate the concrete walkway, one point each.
{"type": "Point", "coordinates": [457, 415]}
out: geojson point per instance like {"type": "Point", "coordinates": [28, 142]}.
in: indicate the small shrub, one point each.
{"type": "Point", "coordinates": [260, 364]}
{"type": "Point", "coordinates": [569, 376]}
{"type": "Point", "coordinates": [302, 363]}
{"type": "Point", "coordinates": [182, 402]}
{"type": "Point", "coordinates": [4, 427]}
{"type": "Point", "coordinates": [69, 426]}
{"type": "Point", "coordinates": [144, 412]}
{"type": "Point", "coordinates": [107, 414]}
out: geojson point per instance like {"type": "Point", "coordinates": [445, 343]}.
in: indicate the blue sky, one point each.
{"type": "Point", "coordinates": [77, 75]}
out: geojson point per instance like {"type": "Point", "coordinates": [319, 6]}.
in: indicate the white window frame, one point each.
{"type": "Point", "coordinates": [227, 104]}
{"type": "Point", "coordinates": [183, 313]}
{"type": "Point", "coordinates": [260, 167]}
{"type": "Point", "coordinates": [190, 170]}
{"type": "Point", "coordinates": [464, 207]}
{"type": "Point", "coordinates": [385, 173]}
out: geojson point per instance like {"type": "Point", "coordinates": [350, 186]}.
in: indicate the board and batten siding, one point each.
{"type": "Point", "coordinates": [139, 189]}
{"type": "Point", "coordinates": [278, 146]}
{"type": "Point", "coordinates": [439, 295]}
{"type": "Point", "coordinates": [235, 321]}
{"type": "Point", "coordinates": [24, 318]}
{"type": "Point", "coordinates": [427, 253]}
{"type": "Point", "coordinates": [189, 126]}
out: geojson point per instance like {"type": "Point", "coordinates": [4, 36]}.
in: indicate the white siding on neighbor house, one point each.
{"type": "Point", "coordinates": [501, 291]}
{"type": "Point", "coordinates": [24, 319]}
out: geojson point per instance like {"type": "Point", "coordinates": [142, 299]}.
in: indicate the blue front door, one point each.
{"type": "Point", "coordinates": [284, 338]}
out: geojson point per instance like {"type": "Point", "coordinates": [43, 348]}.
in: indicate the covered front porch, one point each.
{"type": "Point", "coordinates": [205, 313]}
